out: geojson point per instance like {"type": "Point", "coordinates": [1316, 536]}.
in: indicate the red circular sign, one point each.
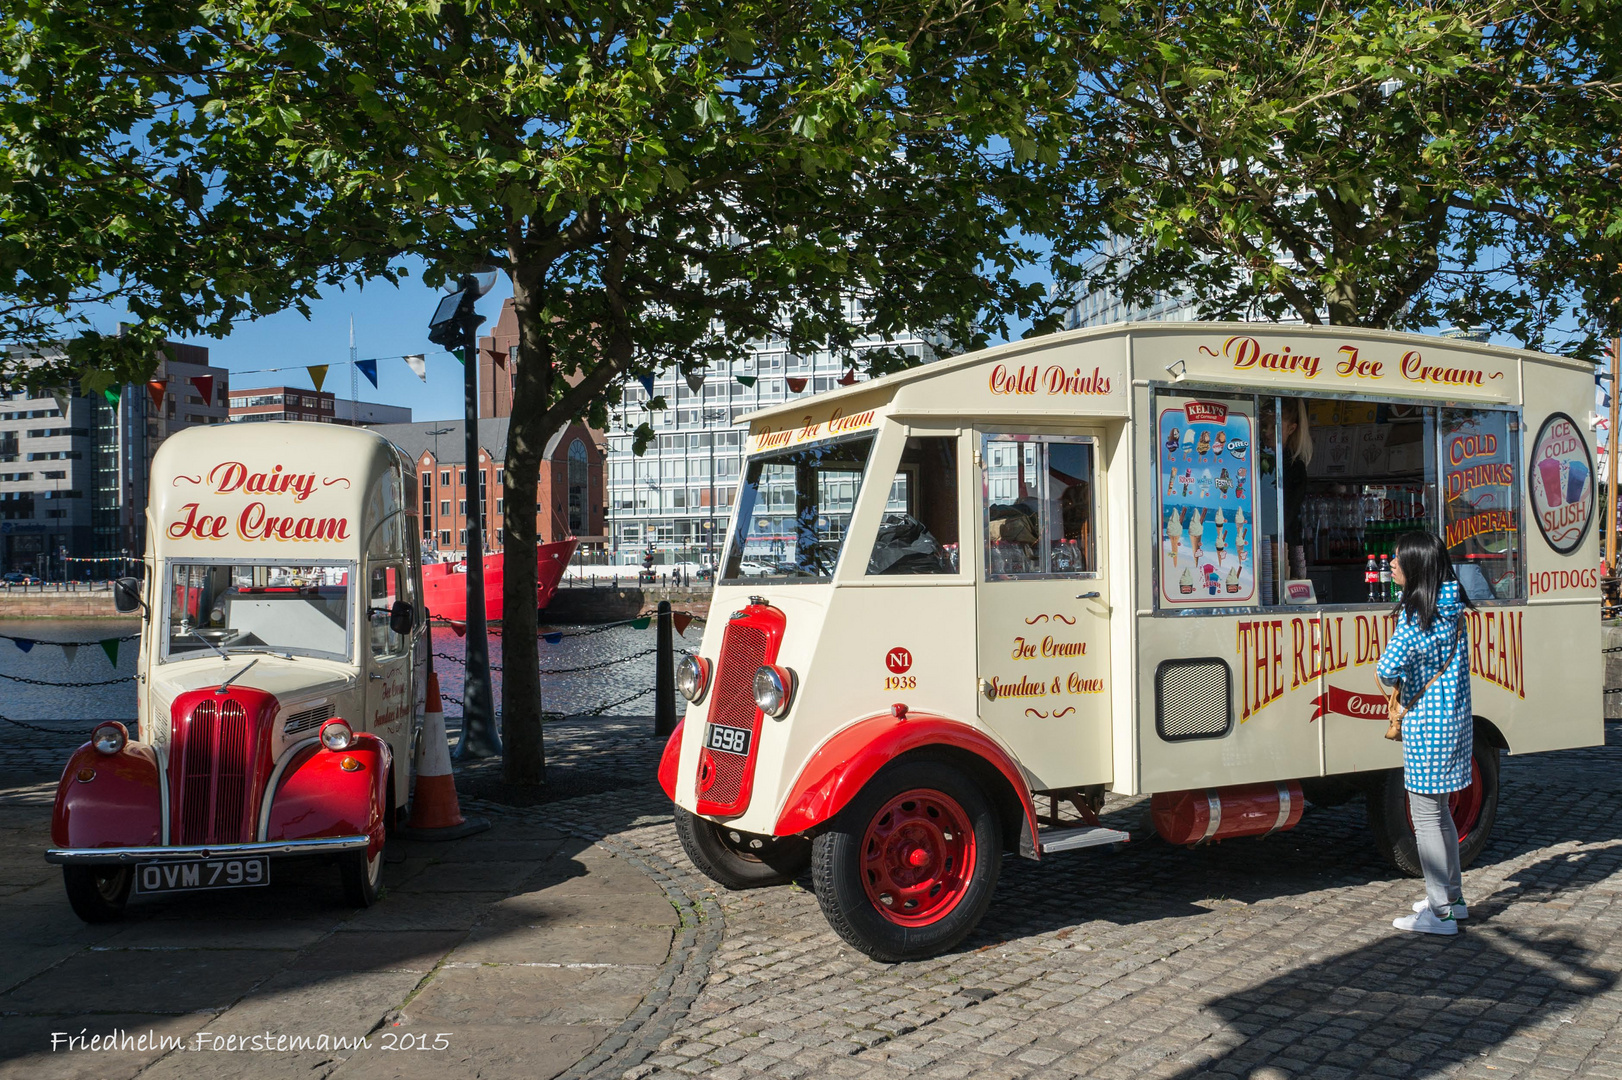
{"type": "Point", "coordinates": [898, 660]}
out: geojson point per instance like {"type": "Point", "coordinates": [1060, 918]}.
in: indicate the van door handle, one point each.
{"type": "Point", "coordinates": [1087, 596]}
{"type": "Point", "coordinates": [374, 675]}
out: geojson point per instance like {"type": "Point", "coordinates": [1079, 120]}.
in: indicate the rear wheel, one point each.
{"type": "Point", "coordinates": [98, 893]}
{"type": "Point", "coordinates": [908, 868]}
{"type": "Point", "coordinates": [1475, 810]}
{"type": "Point", "coordinates": [741, 860]}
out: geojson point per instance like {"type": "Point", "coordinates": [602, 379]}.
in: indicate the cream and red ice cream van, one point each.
{"type": "Point", "coordinates": [282, 673]}
{"type": "Point", "coordinates": [1149, 559]}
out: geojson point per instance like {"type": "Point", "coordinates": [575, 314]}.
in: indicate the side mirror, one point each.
{"type": "Point", "coordinates": [401, 618]}
{"type": "Point", "coordinates": [127, 595]}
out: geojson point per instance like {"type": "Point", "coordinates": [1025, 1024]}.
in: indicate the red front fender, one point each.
{"type": "Point", "coordinates": [848, 760]}
{"type": "Point", "coordinates": [121, 805]}
{"type": "Point", "coordinates": [318, 797]}
{"type": "Point", "coordinates": [670, 760]}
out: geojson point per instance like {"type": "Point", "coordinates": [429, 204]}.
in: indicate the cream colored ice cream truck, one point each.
{"type": "Point", "coordinates": [1145, 559]}
{"type": "Point", "coordinates": [282, 675]}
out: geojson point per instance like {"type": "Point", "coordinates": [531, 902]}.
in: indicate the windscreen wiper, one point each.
{"type": "Point", "coordinates": [222, 653]}
{"type": "Point", "coordinates": [220, 689]}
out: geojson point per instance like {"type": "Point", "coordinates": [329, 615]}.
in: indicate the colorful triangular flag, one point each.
{"type": "Point", "coordinates": [368, 368]}
{"type": "Point", "coordinates": [499, 356]}
{"type": "Point", "coordinates": [553, 638]}
{"type": "Point", "coordinates": [458, 628]}
{"type": "Point", "coordinates": [695, 381]}
{"type": "Point", "coordinates": [681, 620]}
{"type": "Point", "coordinates": [60, 396]}
{"type": "Point", "coordinates": [112, 394]}
{"type": "Point", "coordinates": [418, 363]}
{"type": "Point", "coordinates": [154, 390]}
{"type": "Point", "coordinates": [23, 643]}
{"type": "Point", "coordinates": [205, 387]}
{"type": "Point", "coordinates": [110, 647]}
{"type": "Point", "coordinates": [647, 383]}
{"type": "Point", "coordinates": [460, 355]}
{"type": "Point", "coordinates": [746, 380]}
{"type": "Point", "coordinates": [641, 622]}
{"type": "Point", "coordinates": [318, 374]}
{"type": "Point", "coordinates": [69, 651]}
{"type": "Point", "coordinates": [848, 378]}
{"type": "Point", "coordinates": [796, 383]}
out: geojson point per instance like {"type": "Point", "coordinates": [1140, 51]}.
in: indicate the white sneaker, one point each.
{"type": "Point", "coordinates": [1426, 922]}
{"type": "Point", "coordinates": [1460, 912]}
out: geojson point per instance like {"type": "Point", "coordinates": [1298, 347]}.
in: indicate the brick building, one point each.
{"type": "Point", "coordinates": [317, 406]}
{"type": "Point", "coordinates": [569, 499]}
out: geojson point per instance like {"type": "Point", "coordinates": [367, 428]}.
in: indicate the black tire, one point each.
{"type": "Point", "coordinates": [1325, 792]}
{"type": "Point", "coordinates": [741, 860]}
{"type": "Point", "coordinates": [362, 876]}
{"type": "Point", "coordinates": [1394, 833]}
{"type": "Point", "coordinates": [98, 893]}
{"type": "Point", "coordinates": [842, 858]}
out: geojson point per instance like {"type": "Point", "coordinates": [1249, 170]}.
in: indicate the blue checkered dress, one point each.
{"type": "Point", "coordinates": [1437, 732]}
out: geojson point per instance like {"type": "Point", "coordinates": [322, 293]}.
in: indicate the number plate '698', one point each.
{"type": "Point", "coordinates": [728, 740]}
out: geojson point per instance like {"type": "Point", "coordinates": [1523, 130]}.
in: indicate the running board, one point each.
{"type": "Point", "coordinates": [1053, 841]}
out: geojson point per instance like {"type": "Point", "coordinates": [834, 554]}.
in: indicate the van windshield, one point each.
{"type": "Point", "coordinates": [794, 509]}
{"type": "Point", "coordinates": [298, 608]}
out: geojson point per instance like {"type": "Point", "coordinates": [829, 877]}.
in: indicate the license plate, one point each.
{"type": "Point", "coordinates": [729, 740]}
{"type": "Point", "coordinates": [191, 875]}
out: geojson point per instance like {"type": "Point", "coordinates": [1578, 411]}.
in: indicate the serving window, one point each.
{"type": "Point", "coordinates": [1038, 499]}
{"type": "Point", "coordinates": [1331, 486]}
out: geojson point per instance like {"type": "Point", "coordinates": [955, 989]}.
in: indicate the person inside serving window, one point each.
{"type": "Point", "coordinates": [1296, 436]}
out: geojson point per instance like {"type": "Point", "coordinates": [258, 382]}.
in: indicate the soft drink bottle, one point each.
{"type": "Point", "coordinates": [1371, 577]}
{"type": "Point", "coordinates": [1385, 576]}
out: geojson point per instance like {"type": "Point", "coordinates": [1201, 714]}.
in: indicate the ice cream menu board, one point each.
{"type": "Point", "coordinates": [1206, 505]}
{"type": "Point", "coordinates": [1562, 482]}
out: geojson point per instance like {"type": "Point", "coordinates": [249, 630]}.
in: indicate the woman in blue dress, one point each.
{"type": "Point", "coordinates": [1428, 660]}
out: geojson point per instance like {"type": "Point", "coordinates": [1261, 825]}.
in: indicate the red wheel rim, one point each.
{"type": "Point", "coordinates": [1465, 806]}
{"type": "Point", "coordinates": [917, 857]}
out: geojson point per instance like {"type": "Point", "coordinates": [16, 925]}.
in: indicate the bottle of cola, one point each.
{"type": "Point", "coordinates": [1371, 577]}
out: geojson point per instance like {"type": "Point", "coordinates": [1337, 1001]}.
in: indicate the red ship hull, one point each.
{"type": "Point", "coordinates": [444, 585]}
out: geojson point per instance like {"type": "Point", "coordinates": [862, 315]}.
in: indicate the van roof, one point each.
{"type": "Point", "coordinates": [1031, 348]}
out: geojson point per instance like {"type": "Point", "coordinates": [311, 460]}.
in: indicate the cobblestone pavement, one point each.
{"type": "Point", "coordinates": [1262, 959]}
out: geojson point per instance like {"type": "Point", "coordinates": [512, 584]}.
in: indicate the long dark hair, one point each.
{"type": "Point", "coordinates": [1427, 566]}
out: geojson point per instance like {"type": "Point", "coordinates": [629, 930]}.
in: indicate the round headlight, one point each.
{"type": "Point", "coordinates": [110, 738]}
{"type": "Point", "coordinates": [336, 735]}
{"type": "Point", "coordinates": [693, 677]}
{"type": "Point", "coordinates": [774, 690]}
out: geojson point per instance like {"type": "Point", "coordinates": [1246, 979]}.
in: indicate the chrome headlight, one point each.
{"type": "Point", "coordinates": [337, 735]}
{"type": "Point", "coordinates": [774, 690]}
{"type": "Point", "coordinates": [110, 737]}
{"type": "Point", "coordinates": [693, 677]}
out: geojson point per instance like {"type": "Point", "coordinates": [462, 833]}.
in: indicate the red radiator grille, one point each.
{"type": "Point", "coordinates": [751, 640]}
{"type": "Point", "coordinates": [219, 745]}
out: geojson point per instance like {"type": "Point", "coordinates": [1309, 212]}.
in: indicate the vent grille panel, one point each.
{"type": "Point", "coordinates": [307, 720]}
{"type": "Point", "coordinates": [1193, 699]}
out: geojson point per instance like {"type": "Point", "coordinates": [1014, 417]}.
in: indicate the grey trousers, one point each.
{"type": "Point", "coordinates": [1438, 844]}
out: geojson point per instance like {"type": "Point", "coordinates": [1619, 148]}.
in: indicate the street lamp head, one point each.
{"type": "Point", "coordinates": [479, 279]}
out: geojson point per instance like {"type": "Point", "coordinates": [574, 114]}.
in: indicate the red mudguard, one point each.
{"type": "Point", "coordinates": [317, 797]}
{"type": "Point", "coordinates": [121, 805]}
{"type": "Point", "coordinates": [670, 760]}
{"type": "Point", "coordinates": [848, 760]}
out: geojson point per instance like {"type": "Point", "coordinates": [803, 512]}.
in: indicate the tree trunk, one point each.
{"type": "Point", "coordinates": [524, 762]}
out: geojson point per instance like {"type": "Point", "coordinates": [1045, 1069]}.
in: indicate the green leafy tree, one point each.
{"type": "Point", "coordinates": [662, 182]}
{"type": "Point", "coordinates": [1395, 164]}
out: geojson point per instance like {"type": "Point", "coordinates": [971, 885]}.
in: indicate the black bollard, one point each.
{"type": "Point", "coordinates": [664, 679]}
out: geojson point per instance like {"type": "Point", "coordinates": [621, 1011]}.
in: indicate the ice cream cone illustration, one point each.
{"type": "Point", "coordinates": [1233, 580]}
{"type": "Point", "coordinates": [1221, 544]}
{"type": "Point", "coordinates": [1197, 533]}
{"type": "Point", "coordinates": [1222, 517]}
{"type": "Point", "coordinates": [1174, 534]}
{"type": "Point", "coordinates": [1186, 584]}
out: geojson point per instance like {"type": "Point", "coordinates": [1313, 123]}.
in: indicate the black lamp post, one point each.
{"type": "Point", "coordinates": [455, 325]}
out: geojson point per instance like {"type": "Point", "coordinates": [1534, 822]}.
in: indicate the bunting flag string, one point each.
{"type": "Point", "coordinates": [70, 649]}
{"type": "Point", "coordinates": [368, 368]}
{"type": "Point", "coordinates": [318, 374]}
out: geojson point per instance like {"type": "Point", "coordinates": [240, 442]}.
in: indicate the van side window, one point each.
{"type": "Point", "coordinates": [1038, 496]}
{"type": "Point", "coordinates": [383, 591]}
{"type": "Point", "coordinates": [918, 533]}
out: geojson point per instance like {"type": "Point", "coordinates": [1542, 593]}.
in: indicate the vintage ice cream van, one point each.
{"type": "Point", "coordinates": [1150, 559]}
{"type": "Point", "coordinates": [281, 678]}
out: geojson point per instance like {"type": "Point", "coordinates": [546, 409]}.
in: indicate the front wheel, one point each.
{"type": "Point", "coordinates": [362, 874]}
{"type": "Point", "coordinates": [909, 866]}
{"type": "Point", "coordinates": [98, 893]}
{"type": "Point", "coordinates": [740, 860]}
{"type": "Point", "coordinates": [1475, 810]}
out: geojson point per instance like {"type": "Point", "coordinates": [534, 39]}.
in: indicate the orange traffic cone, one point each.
{"type": "Point", "coordinates": [435, 814]}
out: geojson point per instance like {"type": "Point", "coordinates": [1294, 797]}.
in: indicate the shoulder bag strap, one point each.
{"type": "Point", "coordinates": [1392, 696]}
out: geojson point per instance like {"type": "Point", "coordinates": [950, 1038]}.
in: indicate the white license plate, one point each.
{"type": "Point", "coordinates": [190, 875]}
{"type": "Point", "coordinates": [729, 740]}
